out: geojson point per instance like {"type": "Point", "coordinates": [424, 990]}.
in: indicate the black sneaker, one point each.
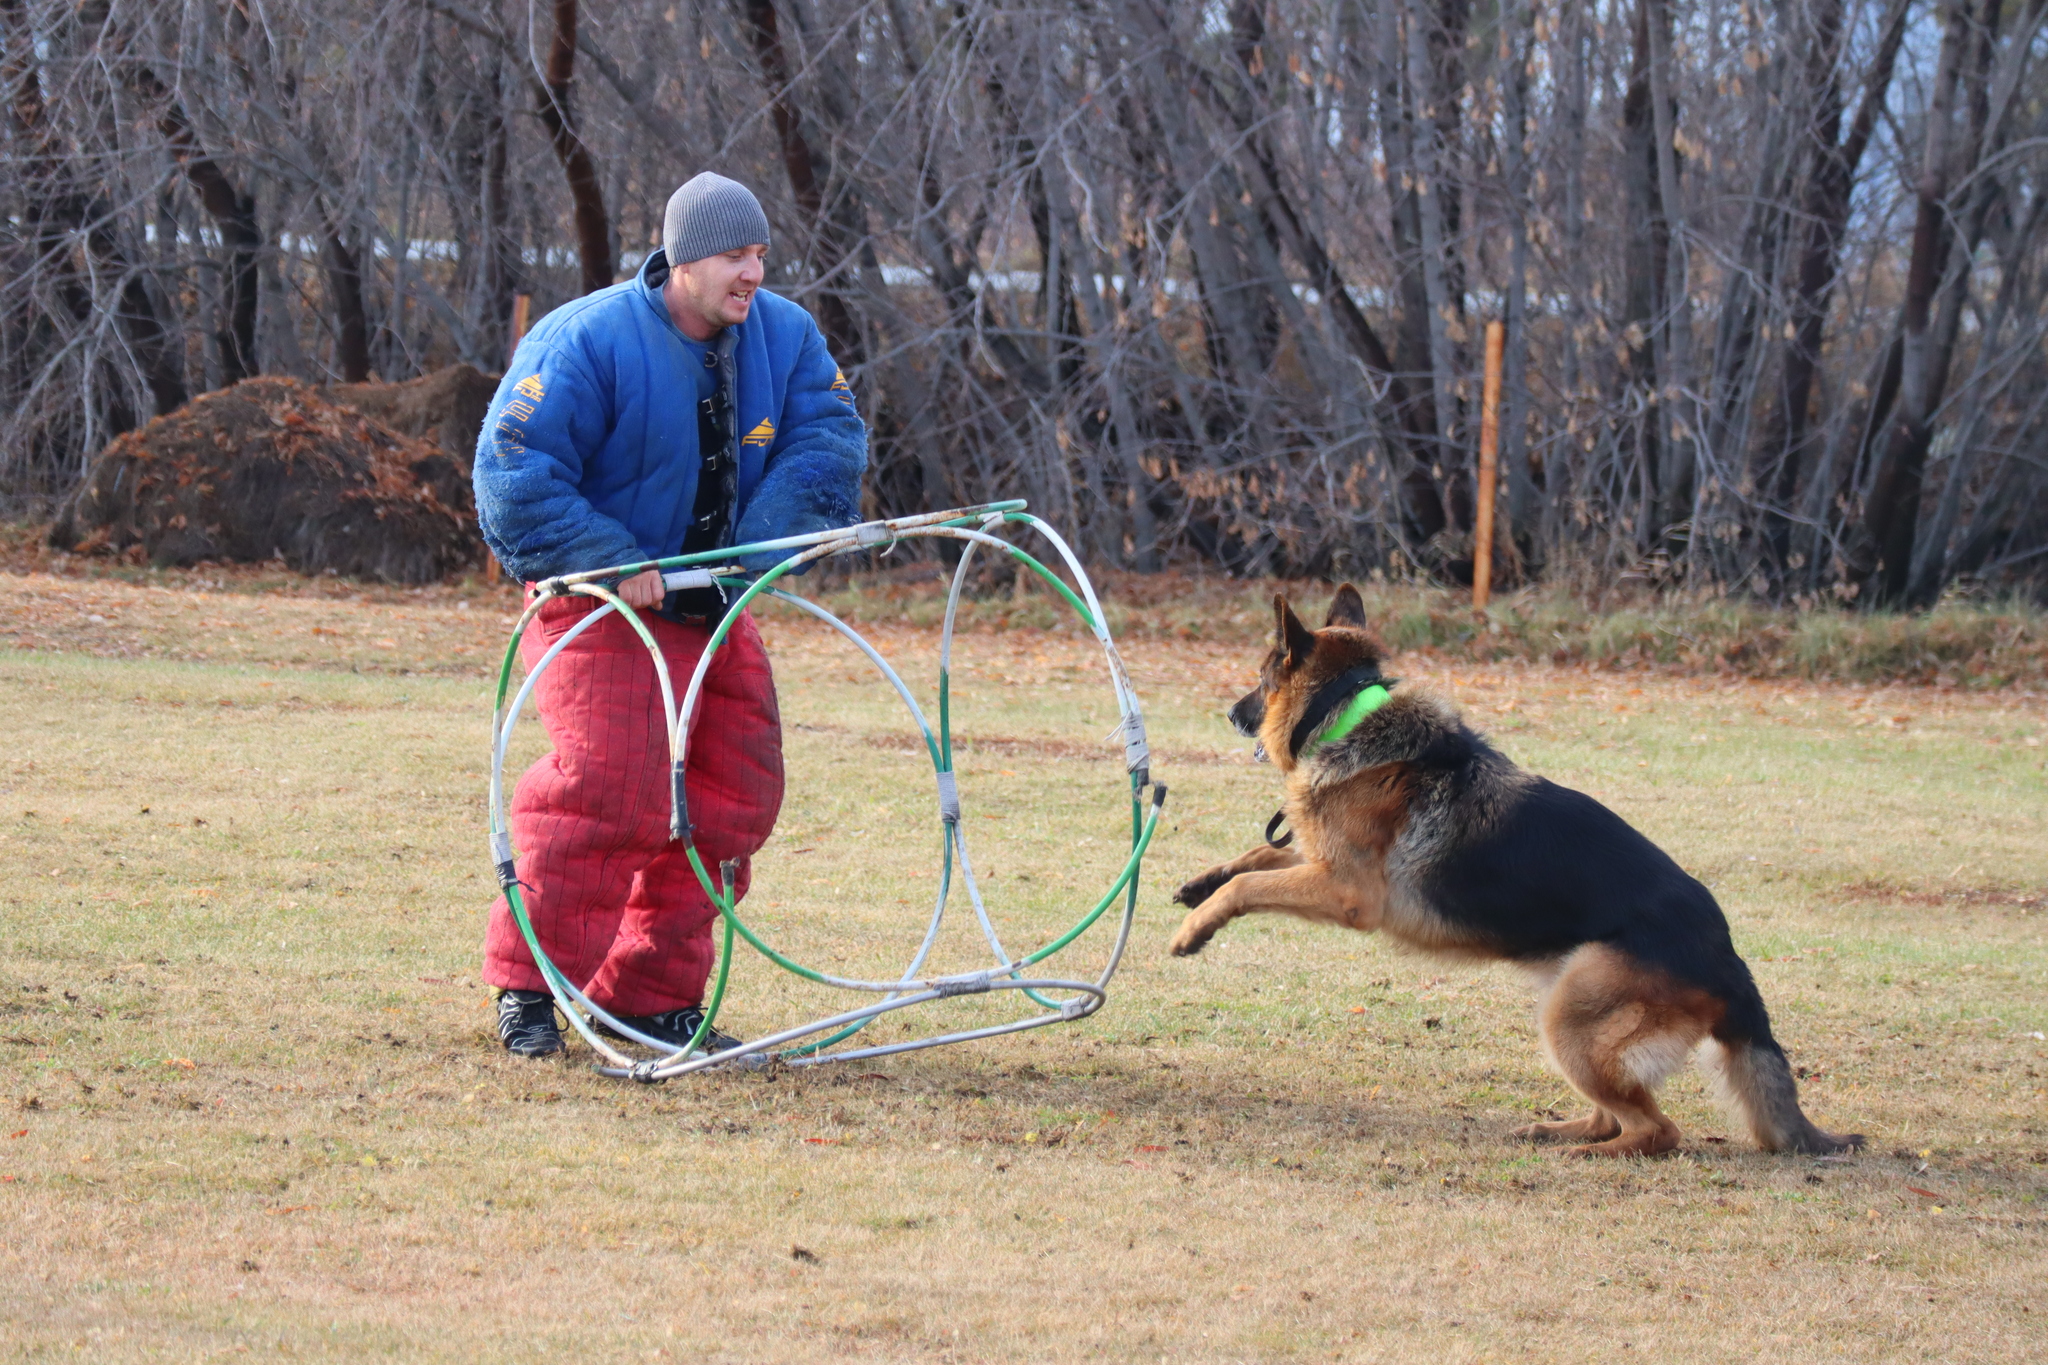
{"type": "Point", "coordinates": [674, 1027]}
{"type": "Point", "coordinates": [526, 1023]}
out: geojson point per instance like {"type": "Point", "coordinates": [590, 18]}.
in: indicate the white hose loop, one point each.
{"type": "Point", "coordinates": [910, 989]}
{"type": "Point", "coordinates": [680, 748]}
{"type": "Point", "coordinates": [931, 933]}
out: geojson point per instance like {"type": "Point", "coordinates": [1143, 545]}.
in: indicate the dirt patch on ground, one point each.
{"type": "Point", "coordinates": [271, 470]}
{"type": "Point", "coordinates": [1880, 889]}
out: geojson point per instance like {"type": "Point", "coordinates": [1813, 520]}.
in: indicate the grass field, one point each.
{"type": "Point", "coordinates": [254, 1105]}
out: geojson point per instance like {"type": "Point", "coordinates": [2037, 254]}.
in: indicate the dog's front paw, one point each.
{"type": "Point", "coordinates": [1196, 890]}
{"type": "Point", "coordinates": [1193, 934]}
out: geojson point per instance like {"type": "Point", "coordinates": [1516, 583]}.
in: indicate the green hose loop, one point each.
{"type": "Point", "coordinates": [732, 918]}
{"type": "Point", "coordinates": [1080, 607]}
{"type": "Point", "coordinates": [724, 969]}
{"type": "Point", "coordinates": [946, 720]}
{"type": "Point", "coordinates": [505, 668]}
{"type": "Point", "coordinates": [971, 525]}
{"type": "Point", "coordinates": [1126, 878]}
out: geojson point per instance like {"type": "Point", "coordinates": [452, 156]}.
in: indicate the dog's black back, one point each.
{"type": "Point", "coordinates": [1559, 870]}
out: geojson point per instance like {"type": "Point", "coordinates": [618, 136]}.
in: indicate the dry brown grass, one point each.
{"type": "Point", "coordinates": [254, 1105]}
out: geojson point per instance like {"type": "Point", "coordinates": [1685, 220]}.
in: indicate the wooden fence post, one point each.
{"type": "Point", "coordinates": [1489, 470]}
{"type": "Point", "coordinates": [522, 311]}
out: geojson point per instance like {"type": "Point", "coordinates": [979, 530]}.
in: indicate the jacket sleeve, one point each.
{"type": "Point", "coordinates": [549, 410]}
{"type": "Point", "coordinates": [812, 478]}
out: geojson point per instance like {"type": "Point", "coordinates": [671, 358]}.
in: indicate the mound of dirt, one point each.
{"type": "Point", "coordinates": [271, 468]}
{"type": "Point", "coordinates": [446, 407]}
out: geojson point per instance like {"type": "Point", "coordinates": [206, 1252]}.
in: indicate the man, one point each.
{"type": "Point", "coordinates": [683, 410]}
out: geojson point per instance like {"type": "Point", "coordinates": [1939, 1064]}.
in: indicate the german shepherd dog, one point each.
{"type": "Point", "coordinates": [1405, 820]}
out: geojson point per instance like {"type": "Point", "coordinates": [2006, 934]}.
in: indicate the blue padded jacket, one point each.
{"type": "Point", "coordinates": [589, 454]}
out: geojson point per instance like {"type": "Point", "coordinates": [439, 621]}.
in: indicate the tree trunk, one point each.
{"type": "Point", "coordinates": [60, 208]}
{"type": "Point", "coordinates": [1992, 91]}
{"type": "Point", "coordinates": [1932, 563]}
{"type": "Point", "coordinates": [234, 214]}
{"type": "Point", "coordinates": [586, 194]}
{"type": "Point", "coordinates": [1825, 209]}
{"type": "Point", "coordinates": [1749, 287]}
{"type": "Point", "coordinates": [162, 367]}
{"type": "Point", "coordinates": [1649, 246]}
{"type": "Point", "coordinates": [800, 162]}
{"type": "Point", "coordinates": [1678, 480]}
{"type": "Point", "coordinates": [1514, 453]}
{"type": "Point", "coordinates": [1407, 417]}
{"type": "Point", "coordinates": [1892, 513]}
{"type": "Point", "coordinates": [351, 321]}
{"type": "Point", "coordinates": [1434, 236]}
{"type": "Point", "coordinates": [499, 276]}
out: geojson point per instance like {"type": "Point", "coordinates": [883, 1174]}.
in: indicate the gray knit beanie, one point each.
{"type": "Point", "coordinates": [711, 214]}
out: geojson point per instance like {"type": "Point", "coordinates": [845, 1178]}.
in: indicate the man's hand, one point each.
{"type": "Point", "coordinates": [644, 589]}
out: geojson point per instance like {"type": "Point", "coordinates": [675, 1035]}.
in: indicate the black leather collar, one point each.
{"type": "Point", "coordinates": [1328, 698]}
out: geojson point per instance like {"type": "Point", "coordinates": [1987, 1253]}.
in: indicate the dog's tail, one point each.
{"type": "Point", "coordinates": [1755, 1082]}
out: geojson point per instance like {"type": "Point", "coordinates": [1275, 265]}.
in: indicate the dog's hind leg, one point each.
{"type": "Point", "coordinates": [1597, 1126]}
{"type": "Point", "coordinates": [1754, 1080]}
{"type": "Point", "coordinates": [1264, 858]}
{"type": "Point", "coordinates": [1616, 1030]}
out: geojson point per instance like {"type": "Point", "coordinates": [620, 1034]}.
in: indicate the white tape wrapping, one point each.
{"type": "Point", "coordinates": [675, 580]}
{"type": "Point", "coordinates": [949, 798]}
{"type": "Point", "coordinates": [1137, 755]}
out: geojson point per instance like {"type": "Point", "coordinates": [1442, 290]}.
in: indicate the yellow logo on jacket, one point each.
{"type": "Point", "coordinates": [761, 435]}
{"type": "Point", "coordinates": [531, 387]}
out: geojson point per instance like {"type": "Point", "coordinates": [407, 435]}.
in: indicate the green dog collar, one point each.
{"type": "Point", "coordinates": [1350, 718]}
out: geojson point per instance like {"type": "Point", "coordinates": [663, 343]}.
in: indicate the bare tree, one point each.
{"type": "Point", "coordinates": [1201, 281]}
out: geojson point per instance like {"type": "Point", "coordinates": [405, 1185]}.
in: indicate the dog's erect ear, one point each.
{"type": "Point", "coordinates": [1347, 608]}
{"type": "Point", "coordinates": [1289, 634]}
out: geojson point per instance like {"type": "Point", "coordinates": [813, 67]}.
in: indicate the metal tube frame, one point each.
{"type": "Point", "coordinates": [972, 525]}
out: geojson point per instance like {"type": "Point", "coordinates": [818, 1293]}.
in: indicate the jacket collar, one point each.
{"type": "Point", "coordinates": [653, 274]}
{"type": "Point", "coordinates": [722, 345]}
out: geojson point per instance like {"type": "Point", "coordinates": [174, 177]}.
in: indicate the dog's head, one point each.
{"type": "Point", "coordinates": [1298, 665]}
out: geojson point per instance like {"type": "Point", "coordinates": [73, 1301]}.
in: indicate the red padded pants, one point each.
{"type": "Point", "coordinates": [613, 901]}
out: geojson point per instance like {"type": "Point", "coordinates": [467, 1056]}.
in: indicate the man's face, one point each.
{"type": "Point", "coordinates": [718, 291]}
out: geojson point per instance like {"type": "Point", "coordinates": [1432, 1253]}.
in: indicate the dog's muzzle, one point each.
{"type": "Point", "coordinates": [1248, 715]}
